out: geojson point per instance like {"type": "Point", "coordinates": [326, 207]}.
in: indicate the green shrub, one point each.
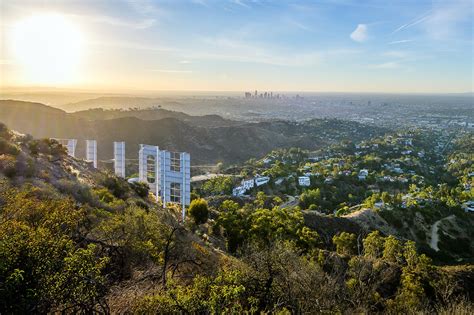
{"type": "Point", "coordinates": [199, 211]}
{"type": "Point", "coordinates": [141, 189]}
{"type": "Point", "coordinates": [117, 186]}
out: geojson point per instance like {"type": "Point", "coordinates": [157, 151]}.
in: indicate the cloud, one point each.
{"type": "Point", "coordinates": [403, 41]}
{"type": "Point", "coordinates": [144, 7]}
{"type": "Point", "coordinates": [386, 65]}
{"type": "Point", "coordinates": [299, 25]}
{"type": "Point", "coordinates": [143, 24]}
{"type": "Point", "coordinates": [360, 34]}
{"type": "Point", "coordinates": [171, 71]}
{"type": "Point", "coordinates": [443, 20]}
{"type": "Point", "coordinates": [395, 54]}
{"type": "Point", "coordinates": [224, 48]}
{"type": "Point", "coordinates": [446, 18]}
{"type": "Point", "coordinates": [241, 3]}
{"type": "Point", "coordinates": [200, 2]}
{"type": "Point", "coordinates": [135, 46]}
{"type": "Point", "coordinates": [414, 22]}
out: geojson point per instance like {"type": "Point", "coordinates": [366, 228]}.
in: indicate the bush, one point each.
{"type": "Point", "coordinates": [345, 243]}
{"type": "Point", "coordinates": [8, 148]}
{"type": "Point", "coordinates": [141, 189]}
{"type": "Point", "coordinates": [4, 132]}
{"type": "Point", "coordinates": [118, 187]}
{"type": "Point", "coordinates": [8, 166]}
{"type": "Point", "coordinates": [199, 211]}
{"type": "Point", "coordinates": [104, 195]}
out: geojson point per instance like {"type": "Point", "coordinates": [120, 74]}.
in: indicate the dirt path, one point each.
{"type": "Point", "coordinates": [434, 232]}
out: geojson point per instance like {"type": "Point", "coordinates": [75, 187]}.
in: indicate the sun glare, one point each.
{"type": "Point", "coordinates": [48, 48]}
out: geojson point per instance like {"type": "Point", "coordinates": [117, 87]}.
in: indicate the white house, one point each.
{"type": "Point", "coordinates": [279, 180]}
{"type": "Point", "coordinates": [262, 180]}
{"type": "Point", "coordinates": [248, 184]}
{"type": "Point", "coordinates": [238, 191]}
{"type": "Point", "coordinates": [304, 181]}
{"type": "Point", "coordinates": [468, 206]}
{"type": "Point", "coordinates": [363, 173]}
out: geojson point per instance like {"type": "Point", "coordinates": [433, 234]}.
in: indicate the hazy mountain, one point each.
{"type": "Point", "coordinates": [111, 102]}
{"type": "Point", "coordinates": [200, 136]}
{"type": "Point", "coordinates": [154, 113]}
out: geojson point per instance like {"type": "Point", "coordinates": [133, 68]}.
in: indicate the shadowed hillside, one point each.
{"type": "Point", "coordinates": [207, 138]}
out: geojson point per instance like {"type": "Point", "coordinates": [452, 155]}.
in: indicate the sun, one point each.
{"type": "Point", "coordinates": [48, 48]}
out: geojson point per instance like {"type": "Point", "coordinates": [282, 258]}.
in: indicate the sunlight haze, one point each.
{"type": "Point", "coordinates": [349, 46]}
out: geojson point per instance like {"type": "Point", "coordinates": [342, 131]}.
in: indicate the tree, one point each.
{"type": "Point", "coordinates": [199, 211]}
{"type": "Point", "coordinates": [392, 250]}
{"type": "Point", "coordinates": [345, 243]}
{"type": "Point", "coordinates": [310, 197]}
{"type": "Point", "coordinates": [221, 185]}
{"type": "Point", "coordinates": [42, 269]}
{"type": "Point", "coordinates": [373, 245]}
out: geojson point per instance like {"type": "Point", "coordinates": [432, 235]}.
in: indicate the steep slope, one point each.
{"type": "Point", "coordinates": [40, 120]}
{"type": "Point", "coordinates": [69, 232]}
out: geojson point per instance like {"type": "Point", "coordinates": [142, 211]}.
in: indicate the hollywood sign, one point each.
{"type": "Point", "coordinates": [168, 174]}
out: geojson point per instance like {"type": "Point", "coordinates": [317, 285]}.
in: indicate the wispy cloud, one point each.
{"type": "Point", "coordinates": [396, 54]}
{"type": "Point", "coordinates": [224, 48]}
{"type": "Point", "coordinates": [135, 46]}
{"type": "Point", "coordinates": [144, 7]}
{"type": "Point", "coordinates": [139, 25]}
{"type": "Point", "coordinates": [242, 3]}
{"type": "Point", "coordinates": [170, 71]}
{"type": "Point", "coordinates": [443, 20]}
{"type": "Point", "coordinates": [386, 65]}
{"type": "Point", "coordinates": [201, 2]}
{"type": "Point", "coordinates": [360, 34]}
{"type": "Point", "coordinates": [413, 22]}
{"type": "Point", "coordinates": [446, 18]}
{"type": "Point", "coordinates": [402, 41]}
{"type": "Point", "coordinates": [299, 25]}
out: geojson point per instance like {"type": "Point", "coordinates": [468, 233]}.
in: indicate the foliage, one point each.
{"type": "Point", "coordinates": [345, 243]}
{"type": "Point", "coordinates": [141, 189]}
{"type": "Point", "coordinates": [41, 267]}
{"type": "Point", "coordinates": [221, 185]}
{"type": "Point", "coordinates": [119, 187]}
{"type": "Point", "coordinates": [310, 198]}
{"type": "Point", "coordinates": [264, 226]}
{"type": "Point", "coordinates": [199, 211]}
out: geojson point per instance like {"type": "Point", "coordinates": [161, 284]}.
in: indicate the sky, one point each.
{"type": "Point", "coordinates": [239, 45]}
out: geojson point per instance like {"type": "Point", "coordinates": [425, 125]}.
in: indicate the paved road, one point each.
{"type": "Point", "coordinates": [291, 202]}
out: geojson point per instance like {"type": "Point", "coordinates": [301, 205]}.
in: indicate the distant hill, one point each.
{"type": "Point", "coordinates": [153, 113]}
{"type": "Point", "coordinates": [111, 102]}
{"type": "Point", "coordinates": [206, 141]}
{"type": "Point", "coordinates": [39, 120]}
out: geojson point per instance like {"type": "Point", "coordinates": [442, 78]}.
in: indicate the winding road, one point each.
{"type": "Point", "coordinates": [434, 232]}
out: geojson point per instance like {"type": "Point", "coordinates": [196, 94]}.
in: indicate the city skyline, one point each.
{"type": "Point", "coordinates": [322, 46]}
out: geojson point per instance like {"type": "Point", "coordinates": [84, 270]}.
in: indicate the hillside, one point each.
{"type": "Point", "coordinates": [111, 102]}
{"type": "Point", "coordinates": [75, 239]}
{"type": "Point", "coordinates": [208, 139]}
{"type": "Point", "coordinates": [154, 113]}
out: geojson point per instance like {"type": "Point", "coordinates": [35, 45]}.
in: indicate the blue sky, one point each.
{"type": "Point", "coordinates": [332, 45]}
